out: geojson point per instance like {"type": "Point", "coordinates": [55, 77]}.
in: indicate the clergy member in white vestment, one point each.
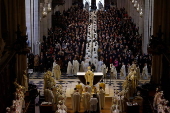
{"type": "Point", "coordinates": [129, 67]}
{"type": "Point", "coordinates": [145, 72]}
{"type": "Point", "coordinates": [102, 97]}
{"type": "Point", "coordinates": [75, 67]}
{"type": "Point", "coordinates": [82, 66]}
{"type": "Point", "coordinates": [86, 65]}
{"type": "Point", "coordinates": [104, 70]}
{"type": "Point", "coordinates": [69, 68]}
{"type": "Point", "coordinates": [86, 100]}
{"type": "Point", "coordinates": [113, 72]}
{"type": "Point", "coordinates": [93, 103]}
{"type": "Point", "coordinates": [99, 66]}
{"type": "Point", "coordinates": [76, 101]}
{"type": "Point", "coordinates": [54, 64]}
{"type": "Point", "coordinates": [57, 72]}
{"type": "Point", "coordinates": [123, 71]}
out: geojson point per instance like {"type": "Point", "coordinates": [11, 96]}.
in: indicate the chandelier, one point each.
{"type": "Point", "coordinates": [141, 13]}
{"type": "Point", "coordinates": [49, 7]}
{"type": "Point", "coordinates": [135, 4]}
{"type": "Point", "coordinates": [44, 13]}
{"type": "Point", "coordinates": [133, 1]}
{"type": "Point", "coordinates": [137, 8]}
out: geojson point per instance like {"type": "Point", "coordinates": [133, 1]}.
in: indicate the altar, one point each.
{"type": "Point", "coordinates": [97, 77]}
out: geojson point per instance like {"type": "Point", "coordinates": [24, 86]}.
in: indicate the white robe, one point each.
{"type": "Point", "coordinates": [54, 64]}
{"type": "Point", "coordinates": [82, 66]}
{"type": "Point", "coordinates": [123, 71]}
{"type": "Point", "coordinates": [102, 97]}
{"type": "Point", "coordinates": [99, 66]}
{"type": "Point", "coordinates": [113, 71]}
{"type": "Point", "coordinates": [93, 104]}
{"type": "Point", "coordinates": [104, 70]}
{"type": "Point", "coordinates": [76, 101]}
{"type": "Point", "coordinates": [86, 64]}
{"type": "Point", "coordinates": [69, 68]}
{"type": "Point", "coordinates": [86, 101]}
{"type": "Point", "coordinates": [75, 67]}
{"type": "Point", "coordinates": [145, 73]}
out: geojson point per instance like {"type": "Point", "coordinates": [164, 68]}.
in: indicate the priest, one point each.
{"type": "Point", "coordinates": [69, 68]}
{"type": "Point", "coordinates": [76, 101]}
{"type": "Point", "coordinates": [123, 71]}
{"type": "Point", "coordinates": [102, 97]}
{"type": "Point", "coordinates": [145, 72]}
{"type": "Point", "coordinates": [89, 76]}
{"type": "Point", "coordinates": [86, 100]}
{"type": "Point", "coordinates": [75, 66]}
{"type": "Point", "coordinates": [57, 72]}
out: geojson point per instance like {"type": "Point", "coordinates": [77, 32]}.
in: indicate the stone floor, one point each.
{"type": "Point", "coordinates": [69, 82]}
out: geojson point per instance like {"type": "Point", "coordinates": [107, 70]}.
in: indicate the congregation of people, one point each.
{"type": "Point", "coordinates": [119, 53]}
{"type": "Point", "coordinates": [119, 40]}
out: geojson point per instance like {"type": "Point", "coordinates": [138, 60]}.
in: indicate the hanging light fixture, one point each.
{"type": "Point", "coordinates": [137, 8]}
{"type": "Point", "coordinates": [135, 4]}
{"type": "Point", "coordinates": [44, 13]}
{"type": "Point", "coordinates": [49, 7]}
{"type": "Point", "coordinates": [141, 13]}
{"type": "Point", "coordinates": [133, 1]}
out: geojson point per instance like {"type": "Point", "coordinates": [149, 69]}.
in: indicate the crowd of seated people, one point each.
{"type": "Point", "coordinates": [119, 39]}
{"type": "Point", "coordinates": [63, 43]}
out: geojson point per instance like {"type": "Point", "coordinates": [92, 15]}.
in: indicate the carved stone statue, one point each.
{"type": "Point", "coordinates": [89, 76]}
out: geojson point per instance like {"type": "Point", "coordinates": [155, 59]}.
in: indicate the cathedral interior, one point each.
{"type": "Point", "coordinates": [126, 41]}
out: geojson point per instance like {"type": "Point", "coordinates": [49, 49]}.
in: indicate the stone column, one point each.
{"type": "Point", "coordinates": [41, 22]}
{"type": "Point", "coordinates": [146, 29]}
{"type": "Point", "coordinates": [36, 27]}
{"type": "Point", "coordinates": [28, 21]}
{"type": "Point", "coordinates": [49, 21]}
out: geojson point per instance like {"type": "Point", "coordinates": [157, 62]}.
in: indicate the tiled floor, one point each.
{"type": "Point", "coordinates": [69, 83]}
